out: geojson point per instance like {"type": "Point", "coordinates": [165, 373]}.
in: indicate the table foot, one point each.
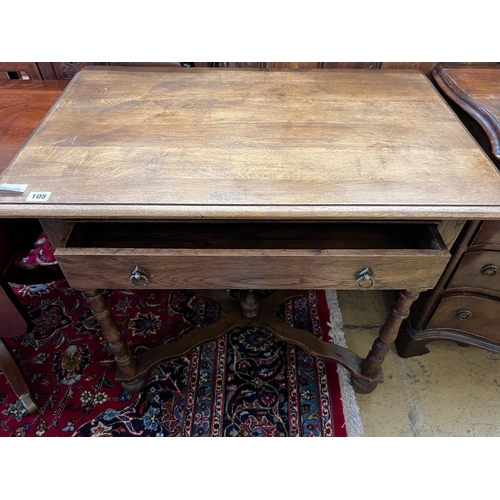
{"type": "Point", "coordinates": [362, 386]}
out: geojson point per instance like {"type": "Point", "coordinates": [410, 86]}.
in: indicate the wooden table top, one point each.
{"type": "Point", "coordinates": [477, 91]}
{"type": "Point", "coordinates": [206, 143]}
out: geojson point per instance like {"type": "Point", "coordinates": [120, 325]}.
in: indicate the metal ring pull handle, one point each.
{"type": "Point", "coordinates": [139, 277]}
{"type": "Point", "coordinates": [365, 280]}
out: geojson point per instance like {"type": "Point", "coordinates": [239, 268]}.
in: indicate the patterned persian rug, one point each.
{"type": "Point", "coordinates": [245, 384]}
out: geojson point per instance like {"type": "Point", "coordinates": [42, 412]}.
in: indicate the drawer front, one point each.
{"type": "Point", "coordinates": [270, 269]}
{"type": "Point", "coordinates": [471, 314]}
{"type": "Point", "coordinates": [256, 255]}
{"type": "Point", "coordinates": [478, 270]}
{"type": "Point", "coordinates": [489, 234]}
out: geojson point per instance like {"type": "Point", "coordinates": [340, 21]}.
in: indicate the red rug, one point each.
{"type": "Point", "coordinates": [245, 384]}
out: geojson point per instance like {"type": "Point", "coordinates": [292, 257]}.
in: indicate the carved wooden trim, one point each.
{"type": "Point", "coordinates": [487, 121]}
{"type": "Point", "coordinates": [413, 342]}
{"type": "Point", "coordinates": [177, 348]}
{"type": "Point", "coordinates": [235, 318]}
{"type": "Point", "coordinates": [321, 349]}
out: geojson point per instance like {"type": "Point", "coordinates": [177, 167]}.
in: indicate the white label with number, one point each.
{"type": "Point", "coordinates": [38, 196]}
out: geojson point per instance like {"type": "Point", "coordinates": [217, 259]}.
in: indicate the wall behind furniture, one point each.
{"type": "Point", "coordinates": [66, 70]}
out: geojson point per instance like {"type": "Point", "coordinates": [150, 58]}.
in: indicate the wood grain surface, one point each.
{"type": "Point", "coordinates": [261, 269]}
{"type": "Point", "coordinates": [23, 104]}
{"type": "Point", "coordinates": [489, 234]}
{"type": "Point", "coordinates": [482, 84]}
{"type": "Point", "coordinates": [483, 321]}
{"type": "Point", "coordinates": [450, 230]}
{"type": "Point", "coordinates": [223, 143]}
{"type": "Point", "coordinates": [469, 274]}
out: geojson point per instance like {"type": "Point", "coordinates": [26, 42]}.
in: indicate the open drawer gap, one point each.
{"type": "Point", "coordinates": [216, 235]}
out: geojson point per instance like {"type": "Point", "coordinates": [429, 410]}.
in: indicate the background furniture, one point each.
{"type": "Point", "coordinates": [13, 322]}
{"type": "Point", "coordinates": [23, 104]}
{"type": "Point", "coordinates": [465, 304]}
{"type": "Point", "coordinates": [66, 70]}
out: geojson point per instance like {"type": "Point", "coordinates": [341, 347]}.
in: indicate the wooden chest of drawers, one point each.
{"type": "Point", "coordinates": [465, 304]}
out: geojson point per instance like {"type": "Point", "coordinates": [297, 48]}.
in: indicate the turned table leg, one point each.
{"type": "Point", "coordinates": [388, 333]}
{"type": "Point", "coordinates": [112, 334]}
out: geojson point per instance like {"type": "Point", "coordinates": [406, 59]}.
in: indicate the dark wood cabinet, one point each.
{"type": "Point", "coordinates": [67, 70]}
{"type": "Point", "coordinates": [465, 304]}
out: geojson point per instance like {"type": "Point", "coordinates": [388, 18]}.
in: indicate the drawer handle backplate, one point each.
{"type": "Point", "coordinates": [365, 280]}
{"type": "Point", "coordinates": [464, 314]}
{"type": "Point", "coordinates": [489, 270]}
{"type": "Point", "coordinates": [139, 277]}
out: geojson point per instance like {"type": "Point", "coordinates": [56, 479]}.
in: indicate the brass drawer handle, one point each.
{"type": "Point", "coordinates": [464, 314]}
{"type": "Point", "coordinates": [365, 280]}
{"type": "Point", "coordinates": [489, 270]}
{"type": "Point", "coordinates": [139, 277]}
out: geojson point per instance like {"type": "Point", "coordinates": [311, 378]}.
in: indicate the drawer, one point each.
{"type": "Point", "coordinates": [489, 234]}
{"type": "Point", "coordinates": [478, 270]}
{"type": "Point", "coordinates": [305, 255]}
{"type": "Point", "coordinates": [468, 313]}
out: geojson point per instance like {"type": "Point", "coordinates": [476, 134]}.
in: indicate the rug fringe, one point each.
{"type": "Point", "coordinates": [352, 417]}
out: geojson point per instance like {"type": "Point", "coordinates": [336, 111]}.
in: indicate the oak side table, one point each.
{"type": "Point", "coordinates": [241, 179]}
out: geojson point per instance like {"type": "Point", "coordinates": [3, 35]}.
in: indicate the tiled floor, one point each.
{"type": "Point", "coordinates": [452, 391]}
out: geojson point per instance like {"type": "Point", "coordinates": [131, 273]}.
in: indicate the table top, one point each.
{"type": "Point", "coordinates": [207, 143]}
{"type": "Point", "coordinates": [477, 91]}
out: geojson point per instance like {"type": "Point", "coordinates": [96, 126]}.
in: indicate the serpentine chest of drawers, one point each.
{"type": "Point", "coordinates": [465, 304]}
{"type": "Point", "coordinates": [214, 179]}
